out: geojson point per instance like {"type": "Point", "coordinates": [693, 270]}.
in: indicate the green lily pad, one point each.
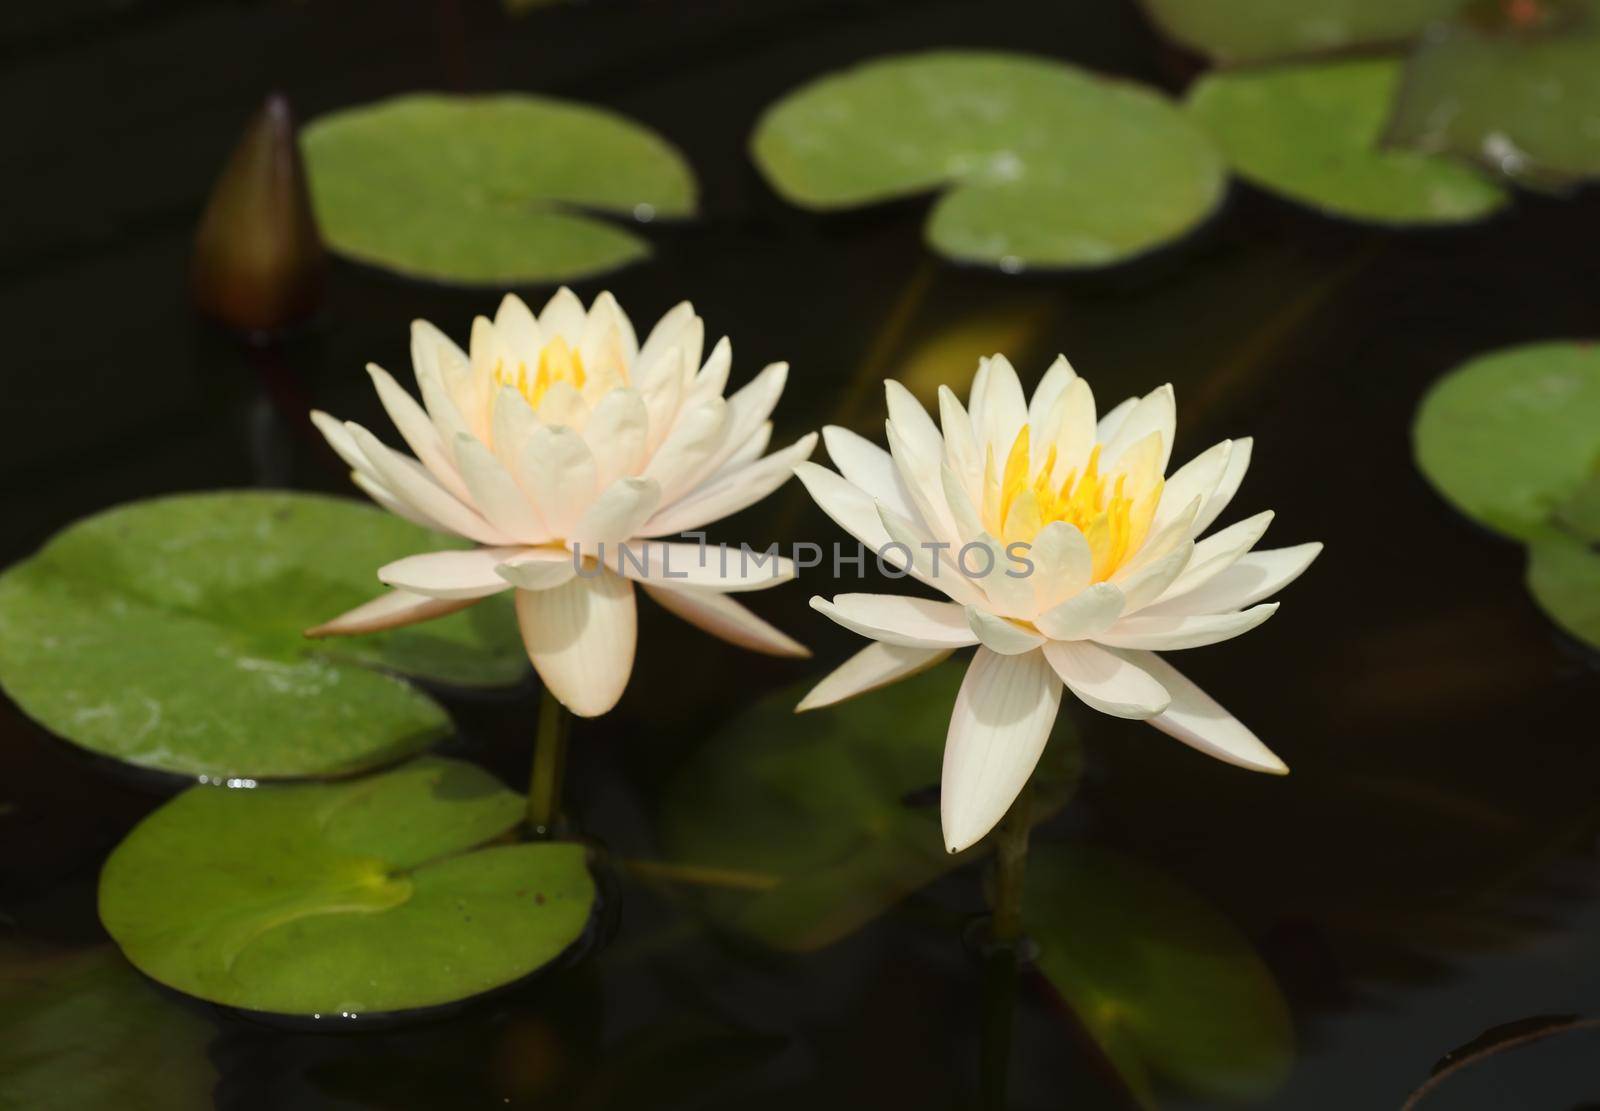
{"type": "Point", "coordinates": [490, 190]}
{"type": "Point", "coordinates": [169, 634]}
{"type": "Point", "coordinates": [1512, 436]}
{"type": "Point", "coordinates": [1163, 983]}
{"type": "Point", "coordinates": [383, 894]}
{"type": "Point", "coordinates": [1259, 30]}
{"type": "Point", "coordinates": [1040, 163]}
{"type": "Point", "coordinates": [1524, 102]}
{"type": "Point", "coordinates": [1564, 578]}
{"type": "Point", "coordinates": [832, 814]}
{"type": "Point", "coordinates": [83, 1029]}
{"type": "Point", "coordinates": [1311, 132]}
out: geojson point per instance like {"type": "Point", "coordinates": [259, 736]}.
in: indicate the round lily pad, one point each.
{"type": "Point", "coordinates": [390, 893]}
{"type": "Point", "coordinates": [1521, 96]}
{"type": "Point", "coordinates": [1259, 30]}
{"type": "Point", "coordinates": [1164, 983]}
{"type": "Point", "coordinates": [1311, 133]}
{"type": "Point", "coordinates": [1564, 578]}
{"type": "Point", "coordinates": [169, 634]}
{"type": "Point", "coordinates": [490, 190]}
{"type": "Point", "coordinates": [1040, 164]}
{"type": "Point", "coordinates": [1512, 436]}
{"type": "Point", "coordinates": [831, 815]}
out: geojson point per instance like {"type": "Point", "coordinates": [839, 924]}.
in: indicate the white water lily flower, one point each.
{"type": "Point", "coordinates": [556, 435]}
{"type": "Point", "coordinates": [1117, 571]}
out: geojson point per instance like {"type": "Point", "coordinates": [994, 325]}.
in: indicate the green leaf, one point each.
{"type": "Point", "coordinates": [834, 809]}
{"type": "Point", "coordinates": [490, 190]}
{"type": "Point", "coordinates": [1512, 435]}
{"type": "Point", "coordinates": [374, 895]}
{"type": "Point", "coordinates": [1043, 164]}
{"type": "Point", "coordinates": [1564, 578]}
{"type": "Point", "coordinates": [1524, 102]}
{"type": "Point", "coordinates": [1311, 133]}
{"type": "Point", "coordinates": [1161, 981]}
{"type": "Point", "coordinates": [169, 634]}
{"type": "Point", "coordinates": [83, 1029]}
{"type": "Point", "coordinates": [1258, 30]}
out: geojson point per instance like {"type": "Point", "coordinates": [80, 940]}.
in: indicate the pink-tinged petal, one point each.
{"type": "Point", "coordinates": [688, 449]}
{"type": "Point", "coordinates": [727, 495]}
{"type": "Point", "coordinates": [407, 480]}
{"type": "Point", "coordinates": [450, 574]}
{"type": "Point", "coordinates": [418, 431]}
{"type": "Point", "coordinates": [670, 332]}
{"type": "Point", "coordinates": [445, 380]}
{"type": "Point", "coordinates": [662, 392]}
{"type": "Point", "coordinates": [393, 610]}
{"type": "Point", "coordinates": [1002, 636]}
{"type": "Point", "coordinates": [1107, 682]}
{"type": "Point", "coordinates": [618, 513]}
{"type": "Point", "coordinates": [1252, 578]}
{"type": "Point", "coordinates": [1168, 634]}
{"type": "Point", "coordinates": [748, 409]}
{"type": "Point", "coordinates": [877, 665]}
{"type": "Point", "coordinates": [712, 378]}
{"type": "Point", "coordinates": [998, 730]}
{"type": "Point", "coordinates": [557, 471]}
{"type": "Point", "coordinates": [727, 569]}
{"type": "Point", "coordinates": [1238, 464]}
{"type": "Point", "coordinates": [538, 568]}
{"type": "Point", "coordinates": [608, 344]}
{"type": "Point", "coordinates": [379, 493]}
{"type": "Point", "coordinates": [581, 637]}
{"type": "Point", "coordinates": [511, 422]}
{"type": "Point", "coordinates": [1196, 720]}
{"type": "Point", "coordinates": [1086, 614]}
{"type": "Point", "coordinates": [726, 619]}
{"type": "Point", "coordinates": [747, 452]}
{"type": "Point", "coordinates": [898, 619]}
{"type": "Point", "coordinates": [616, 435]}
{"type": "Point", "coordinates": [498, 496]}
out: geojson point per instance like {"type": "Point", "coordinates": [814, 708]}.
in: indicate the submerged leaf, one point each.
{"type": "Point", "coordinates": [490, 190]}
{"type": "Point", "coordinates": [381, 894]}
{"type": "Point", "coordinates": [837, 808]}
{"type": "Point", "coordinates": [1042, 164]}
{"type": "Point", "coordinates": [1523, 100]}
{"type": "Point", "coordinates": [1259, 30]}
{"type": "Point", "coordinates": [169, 633]}
{"type": "Point", "coordinates": [1564, 577]}
{"type": "Point", "coordinates": [1311, 132]}
{"type": "Point", "coordinates": [1162, 982]}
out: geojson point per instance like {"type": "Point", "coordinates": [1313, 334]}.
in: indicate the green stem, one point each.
{"type": "Point", "coordinates": [1010, 863]}
{"type": "Point", "coordinates": [549, 762]}
{"type": "Point", "coordinates": [1005, 931]}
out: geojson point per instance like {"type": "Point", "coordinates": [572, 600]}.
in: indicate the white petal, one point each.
{"type": "Point", "coordinates": [1111, 423]}
{"type": "Point", "coordinates": [865, 464]}
{"type": "Point", "coordinates": [1219, 551]}
{"type": "Point", "coordinates": [1198, 478]}
{"type": "Point", "coordinates": [897, 619]}
{"type": "Point", "coordinates": [449, 574]}
{"type": "Point", "coordinates": [731, 492]}
{"type": "Point", "coordinates": [726, 619]}
{"type": "Point", "coordinates": [519, 329]}
{"type": "Point", "coordinates": [432, 352]}
{"type": "Point", "coordinates": [712, 378]}
{"type": "Point", "coordinates": [1196, 720]}
{"type": "Point", "coordinates": [1074, 430]}
{"type": "Point", "coordinates": [497, 495]}
{"type": "Point", "coordinates": [619, 512]}
{"type": "Point", "coordinates": [1168, 634]}
{"type": "Point", "coordinates": [410, 482]}
{"type": "Point", "coordinates": [418, 430]}
{"type": "Point", "coordinates": [921, 477]}
{"type": "Point", "coordinates": [1062, 564]}
{"type": "Point", "coordinates": [563, 316]}
{"type": "Point", "coordinates": [563, 404]}
{"type": "Point", "coordinates": [1008, 586]}
{"type": "Point", "coordinates": [937, 567]}
{"type": "Point", "coordinates": [616, 435]}
{"type": "Point", "coordinates": [581, 638]}
{"type": "Point", "coordinates": [999, 408]}
{"type": "Point", "coordinates": [1238, 464]}
{"type": "Point", "coordinates": [963, 514]}
{"type": "Point", "coordinates": [607, 345]}
{"type": "Point", "coordinates": [999, 635]}
{"type": "Point", "coordinates": [1145, 585]}
{"type": "Point", "coordinates": [716, 567]}
{"type": "Point", "coordinates": [511, 422]}
{"type": "Point", "coordinates": [876, 665]}
{"type": "Point", "coordinates": [1157, 411]}
{"type": "Point", "coordinates": [1050, 388]}
{"type": "Point", "coordinates": [557, 471]}
{"type": "Point", "coordinates": [671, 331]}
{"type": "Point", "coordinates": [960, 445]}
{"type": "Point", "coordinates": [389, 611]}
{"type": "Point", "coordinates": [538, 568]}
{"type": "Point", "coordinates": [747, 411]}
{"type": "Point", "coordinates": [998, 730]}
{"type": "Point", "coordinates": [850, 507]}
{"type": "Point", "coordinates": [379, 493]}
{"type": "Point", "coordinates": [688, 448]}
{"type": "Point", "coordinates": [1105, 681]}
{"type": "Point", "coordinates": [912, 422]}
{"type": "Point", "coordinates": [747, 452]}
{"type": "Point", "coordinates": [1086, 614]}
{"type": "Point", "coordinates": [1252, 577]}
{"type": "Point", "coordinates": [662, 393]}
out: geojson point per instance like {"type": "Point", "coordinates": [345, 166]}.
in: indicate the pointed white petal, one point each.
{"type": "Point", "coordinates": [1157, 412]}
{"type": "Point", "coordinates": [897, 619]}
{"type": "Point", "coordinates": [688, 448]}
{"type": "Point", "coordinates": [563, 316]}
{"type": "Point", "coordinates": [616, 435]}
{"type": "Point", "coordinates": [1168, 634]}
{"type": "Point", "coordinates": [519, 329]}
{"type": "Point", "coordinates": [1238, 464]}
{"type": "Point", "coordinates": [1253, 577]}
{"type": "Point", "coordinates": [497, 495]}
{"type": "Point", "coordinates": [538, 568]}
{"type": "Point", "coordinates": [379, 493]}
{"type": "Point", "coordinates": [998, 730]}
{"type": "Point", "coordinates": [449, 574]}
{"type": "Point", "coordinates": [389, 611]}
{"type": "Point", "coordinates": [912, 422]}
{"type": "Point", "coordinates": [999, 635]}
{"type": "Point", "coordinates": [730, 493]}
{"type": "Point", "coordinates": [410, 482]}
{"type": "Point", "coordinates": [1196, 720]}
{"type": "Point", "coordinates": [999, 409]}
{"type": "Point", "coordinates": [1196, 479]}
{"type": "Point", "coordinates": [726, 619]}
{"type": "Point", "coordinates": [865, 464]}
{"type": "Point", "coordinates": [557, 471]}
{"type": "Point", "coordinates": [1219, 551]}
{"type": "Point", "coordinates": [1145, 585]}
{"type": "Point", "coordinates": [619, 512]}
{"type": "Point", "coordinates": [716, 567]}
{"type": "Point", "coordinates": [668, 333]}
{"type": "Point", "coordinates": [1087, 613]}
{"type": "Point", "coordinates": [1110, 424]}
{"type": "Point", "coordinates": [876, 665]}
{"type": "Point", "coordinates": [581, 638]}
{"type": "Point", "coordinates": [1105, 681]}
{"type": "Point", "coordinates": [1050, 388]}
{"type": "Point", "coordinates": [418, 430]}
{"type": "Point", "coordinates": [1062, 564]}
{"type": "Point", "coordinates": [850, 507]}
{"type": "Point", "coordinates": [511, 422]}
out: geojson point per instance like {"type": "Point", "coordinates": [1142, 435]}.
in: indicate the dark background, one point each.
{"type": "Point", "coordinates": [1427, 872]}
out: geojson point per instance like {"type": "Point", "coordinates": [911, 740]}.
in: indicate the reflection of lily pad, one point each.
{"type": "Point", "coordinates": [1311, 132]}
{"type": "Point", "coordinates": [372, 895]}
{"type": "Point", "coordinates": [1525, 103]}
{"type": "Point", "coordinates": [83, 1029]}
{"type": "Point", "coordinates": [1564, 577]}
{"type": "Point", "coordinates": [832, 807]}
{"type": "Point", "coordinates": [1043, 164]}
{"type": "Point", "coordinates": [1256, 30]}
{"type": "Point", "coordinates": [168, 633]}
{"type": "Point", "coordinates": [487, 190]}
{"type": "Point", "coordinates": [1512, 435]}
{"type": "Point", "coordinates": [1162, 982]}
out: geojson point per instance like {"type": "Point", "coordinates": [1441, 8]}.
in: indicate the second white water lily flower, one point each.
{"type": "Point", "coordinates": [558, 434]}
{"type": "Point", "coordinates": [1068, 558]}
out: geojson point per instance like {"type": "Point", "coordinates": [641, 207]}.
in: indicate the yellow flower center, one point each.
{"type": "Point", "coordinates": [1113, 510]}
{"type": "Point", "coordinates": [557, 363]}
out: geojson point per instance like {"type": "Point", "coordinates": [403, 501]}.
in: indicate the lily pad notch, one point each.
{"type": "Point", "coordinates": [503, 190]}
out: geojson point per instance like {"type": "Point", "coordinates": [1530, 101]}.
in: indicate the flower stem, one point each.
{"type": "Point", "coordinates": [1004, 951]}
{"type": "Point", "coordinates": [1010, 862]}
{"type": "Point", "coordinates": [549, 763]}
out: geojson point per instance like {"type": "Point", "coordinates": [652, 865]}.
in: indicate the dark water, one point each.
{"type": "Point", "coordinates": [1427, 873]}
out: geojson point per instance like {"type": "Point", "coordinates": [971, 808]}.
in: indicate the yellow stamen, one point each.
{"type": "Point", "coordinates": [557, 363]}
